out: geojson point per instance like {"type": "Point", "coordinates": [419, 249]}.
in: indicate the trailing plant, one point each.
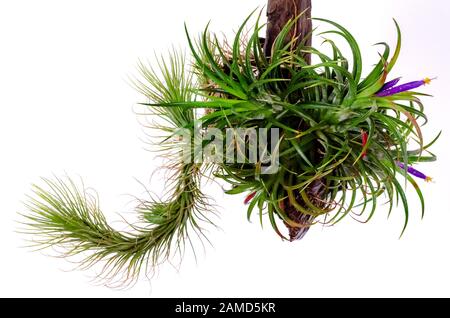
{"type": "Point", "coordinates": [345, 143]}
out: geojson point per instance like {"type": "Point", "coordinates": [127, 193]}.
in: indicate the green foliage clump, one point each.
{"type": "Point", "coordinates": [339, 149]}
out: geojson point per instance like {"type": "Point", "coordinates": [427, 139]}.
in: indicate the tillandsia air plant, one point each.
{"type": "Point", "coordinates": [337, 143]}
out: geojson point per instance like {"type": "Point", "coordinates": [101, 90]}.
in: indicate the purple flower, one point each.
{"type": "Point", "coordinates": [414, 172]}
{"type": "Point", "coordinates": [392, 89]}
{"type": "Point", "coordinates": [389, 84]}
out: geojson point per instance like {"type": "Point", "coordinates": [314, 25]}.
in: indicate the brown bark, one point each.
{"type": "Point", "coordinates": [316, 192]}
{"type": "Point", "coordinates": [279, 12]}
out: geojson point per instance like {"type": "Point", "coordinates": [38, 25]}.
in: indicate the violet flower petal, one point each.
{"type": "Point", "coordinates": [390, 84]}
{"type": "Point", "coordinates": [403, 88]}
{"type": "Point", "coordinates": [414, 172]}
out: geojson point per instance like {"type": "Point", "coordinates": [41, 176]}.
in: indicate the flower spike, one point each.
{"type": "Point", "coordinates": [385, 92]}
{"type": "Point", "coordinates": [249, 198]}
{"type": "Point", "coordinates": [414, 172]}
{"type": "Point", "coordinates": [365, 138]}
{"type": "Point", "coordinates": [390, 84]}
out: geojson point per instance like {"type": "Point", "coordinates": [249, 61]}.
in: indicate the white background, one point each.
{"type": "Point", "coordinates": [66, 106]}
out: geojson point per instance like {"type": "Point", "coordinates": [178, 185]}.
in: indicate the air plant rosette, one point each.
{"type": "Point", "coordinates": [343, 143]}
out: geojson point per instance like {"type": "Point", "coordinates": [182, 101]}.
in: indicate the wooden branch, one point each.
{"type": "Point", "coordinates": [279, 12]}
